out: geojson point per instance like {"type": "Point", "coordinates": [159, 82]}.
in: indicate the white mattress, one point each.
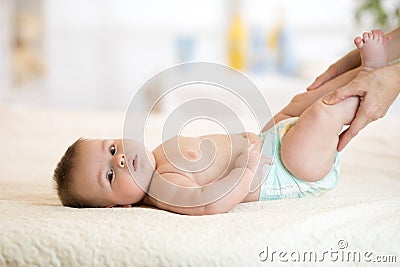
{"type": "Point", "coordinates": [362, 213]}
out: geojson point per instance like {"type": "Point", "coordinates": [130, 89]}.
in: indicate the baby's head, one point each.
{"type": "Point", "coordinates": [94, 173]}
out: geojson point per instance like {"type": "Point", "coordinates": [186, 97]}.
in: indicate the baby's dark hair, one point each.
{"type": "Point", "coordinates": [63, 176]}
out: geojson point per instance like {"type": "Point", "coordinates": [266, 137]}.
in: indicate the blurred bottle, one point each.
{"type": "Point", "coordinates": [259, 59]}
{"type": "Point", "coordinates": [287, 56]}
{"type": "Point", "coordinates": [282, 44]}
{"type": "Point", "coordinates": [273, 43]}
{"type": "Point", "coordinates": [185, 46]}
{"type": "Point", "coordinates": [237, 43]}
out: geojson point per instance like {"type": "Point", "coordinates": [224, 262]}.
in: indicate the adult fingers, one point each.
{"type": "Point", "coordinates": [320, 80]}
{"type": "Point", "coordinates": [359, 122]}
{"type": "Point", "coordinates": [344, 92]}
{"type": "Point", "coordinates": [329, 74]}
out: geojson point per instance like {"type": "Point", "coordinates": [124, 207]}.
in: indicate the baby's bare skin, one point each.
{"type": "Point", "coordinates": [195, 149]}
{"type": "Point", "coordinates": [208, 163]}
{"type": "Point", "coordinates": [226, 151]}
{"type": "Point", "coordinates": [212, 174]}
{"type": "Point", "coordinates": [319, 126]}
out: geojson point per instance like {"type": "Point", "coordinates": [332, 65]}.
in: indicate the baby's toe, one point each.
{"type": "Point", "coordinates": [379, 32]}
{"type": "Point", "coordinates": [358, 42]}
{"type": "Point", "coordinates": [376, 36]}
{"type": "Point", "coordinates": [365, 36]}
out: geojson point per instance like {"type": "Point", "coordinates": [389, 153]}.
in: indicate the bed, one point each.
{"type": "Point", "coordinates": [357, 222]}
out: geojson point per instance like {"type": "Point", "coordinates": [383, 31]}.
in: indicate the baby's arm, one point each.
{"type": "Point", "coordinates": [176, 193]}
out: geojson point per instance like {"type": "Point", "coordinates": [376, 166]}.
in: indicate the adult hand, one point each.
{"type": "Point", "coordinates": [346, 63]}
{"type": "Point", "coordinates": [377, 90]}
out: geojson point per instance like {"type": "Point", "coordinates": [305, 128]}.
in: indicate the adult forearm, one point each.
{"type": "Point", "coordinates": [394, 44]}
{"type": "Point", "coordinates": [390, 77]}
{"type": "Point", "coordinates": [396, 75]}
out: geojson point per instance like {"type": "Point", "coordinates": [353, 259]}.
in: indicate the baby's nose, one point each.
{"type": "Point", "coordinates": [121, 160]}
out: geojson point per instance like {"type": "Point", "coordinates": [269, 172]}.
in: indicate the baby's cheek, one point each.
{"type": "Point", "coordinates": [134, 188]}
{"type": "Point", "coordinates": [126, 184]}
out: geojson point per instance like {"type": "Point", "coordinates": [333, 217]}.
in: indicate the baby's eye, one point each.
{"type": "Point", "coordinates": [110, 175]}
{"type": "Point", "coordinates": [113, 150]}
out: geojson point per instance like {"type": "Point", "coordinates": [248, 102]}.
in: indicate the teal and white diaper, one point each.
{"type": "Point", "coordinates": [279, 182]}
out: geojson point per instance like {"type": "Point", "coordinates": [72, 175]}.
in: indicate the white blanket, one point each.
{"type": "Point", "coordinates": [359, 219]}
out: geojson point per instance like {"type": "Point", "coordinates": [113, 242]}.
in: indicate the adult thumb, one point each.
{"type": "Point", "coordinates": [338, 95]}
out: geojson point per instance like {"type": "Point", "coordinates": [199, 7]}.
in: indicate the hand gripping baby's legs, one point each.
{"type": "Point", "coordinates": [308, 149]}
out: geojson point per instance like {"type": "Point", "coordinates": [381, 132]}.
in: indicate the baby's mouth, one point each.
{"type": "Point", "coordinates": [135, 162]}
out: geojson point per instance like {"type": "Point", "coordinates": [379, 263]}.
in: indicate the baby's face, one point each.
{"type": "Point", "coordinates": [101, 175]}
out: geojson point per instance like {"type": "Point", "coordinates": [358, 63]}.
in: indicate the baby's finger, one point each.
{"type": "Point", "coordinates": [266, 160]}
{"type": "Point", "coordinates": [252, 146]}
{"type": "Point", "coordinates": [254, 160]}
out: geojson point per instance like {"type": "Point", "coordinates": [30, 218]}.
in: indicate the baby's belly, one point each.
{"type": "Point", "coordinates": [224, 159]}
{"type": "Point", "coordinates": [207, 159]}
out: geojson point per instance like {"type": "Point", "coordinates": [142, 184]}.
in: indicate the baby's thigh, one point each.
{"type": "Point", "coordinates": [309, 147]}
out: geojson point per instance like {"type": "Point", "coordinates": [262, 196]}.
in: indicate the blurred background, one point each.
{"type": "Point", "coordinates": [95, 54]}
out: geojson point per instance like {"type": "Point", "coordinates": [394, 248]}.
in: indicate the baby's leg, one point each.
{"type": "Point", "coordinates": [374, 54]}
{"type": "Point", "coordinates": [309, 147]}
{"type": "Point", "coordinates": [301, 102]}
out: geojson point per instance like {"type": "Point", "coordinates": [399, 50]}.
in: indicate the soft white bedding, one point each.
{"type": "Point", "coordinates": [363, 212]}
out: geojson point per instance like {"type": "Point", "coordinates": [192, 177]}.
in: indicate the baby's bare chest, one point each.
{"type": "Point", "coordinates": [202, 159]}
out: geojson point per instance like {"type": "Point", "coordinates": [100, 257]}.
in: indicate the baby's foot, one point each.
{"type": "Point", "coordinates": [373, 49]}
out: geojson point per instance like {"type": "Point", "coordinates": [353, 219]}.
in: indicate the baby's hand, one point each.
{"type": "Point", "coordinates": [252, 159]}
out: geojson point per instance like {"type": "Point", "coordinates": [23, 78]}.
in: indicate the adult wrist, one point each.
{"type": "Point", "coordinates": [393, 75]}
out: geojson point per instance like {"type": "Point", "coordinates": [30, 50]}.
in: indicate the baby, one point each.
{"type": "Point", "coordinates": [302, 146]}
